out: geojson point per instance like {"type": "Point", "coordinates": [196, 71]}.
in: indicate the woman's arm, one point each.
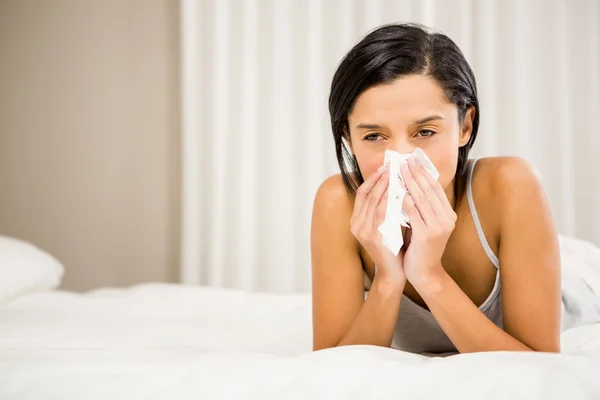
{"type": "Point", "coordinates": [530, 259]}
{"type": "Point", "coordinates": [341, 316]}
{"type": "Point", "coordinates": [530, 274]}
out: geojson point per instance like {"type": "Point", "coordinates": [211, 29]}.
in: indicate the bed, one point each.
{"type": "Point", "coordinates": [168, 341]}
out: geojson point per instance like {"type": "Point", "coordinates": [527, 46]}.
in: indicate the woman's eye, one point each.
{"type": "Point", "coordinates": [426, 133]}
{"type": "Point", "coordinates": [373, 137]}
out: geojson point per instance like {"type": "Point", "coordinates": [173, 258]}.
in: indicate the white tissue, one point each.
{"type": "Point", "coordinates": [395, 217]}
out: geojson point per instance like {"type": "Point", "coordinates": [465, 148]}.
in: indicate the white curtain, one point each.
{"type": "Point", "coordinates": [256, 136]}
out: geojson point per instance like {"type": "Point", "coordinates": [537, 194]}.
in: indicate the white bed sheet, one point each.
{"type": "Point", "coordinates": [162, 341]}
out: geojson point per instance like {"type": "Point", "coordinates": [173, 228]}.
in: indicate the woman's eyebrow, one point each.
{"type": "Point", "coordinates": [428, 119]}
{"type": "Point", "coordinates": [368, 126]}
{"type": "Point", "coordinates": [418, 122]}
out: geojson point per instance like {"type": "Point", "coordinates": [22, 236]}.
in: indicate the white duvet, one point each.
{"type": "Point", "coordinates": [160, 341]}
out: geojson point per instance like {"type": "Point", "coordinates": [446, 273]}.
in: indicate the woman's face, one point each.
{"type": "Point", "coordinates": [410, 112]}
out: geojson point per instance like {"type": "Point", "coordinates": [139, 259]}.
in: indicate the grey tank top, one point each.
{"type": "Point", "coordinates": [417, 331]}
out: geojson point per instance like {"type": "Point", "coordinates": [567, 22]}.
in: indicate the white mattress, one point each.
{"type": "Point", "coordinates": [163, 341]}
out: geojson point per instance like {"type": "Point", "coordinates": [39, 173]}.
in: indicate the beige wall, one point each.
{"type": "Point", "coordinates": [89, 140]}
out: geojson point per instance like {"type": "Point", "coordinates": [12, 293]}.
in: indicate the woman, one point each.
{"type": "Point", "coordinates": [480, 265]}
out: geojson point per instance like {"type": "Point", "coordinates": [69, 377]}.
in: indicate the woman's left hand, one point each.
{"type": "Point", "coordinates": [432, 221]}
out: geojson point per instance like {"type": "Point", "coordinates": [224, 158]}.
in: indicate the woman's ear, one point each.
{"type": "Point", "coordinates": [467, 126]}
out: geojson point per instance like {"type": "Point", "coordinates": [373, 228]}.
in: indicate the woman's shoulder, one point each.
{"type": "Point", "coordinates": [330, 225]}
{"type": "Point", "coordinates": [502, 176]}
{"type": "Point", "coordinates": [333, 198]}
{"type": "Point", "coordinates": [503, 185]}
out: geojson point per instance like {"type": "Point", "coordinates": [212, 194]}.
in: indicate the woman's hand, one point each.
{"type": "Point", "coordinates": [369, 212]}
{"type": "Point", "coordinates": [432, 221]}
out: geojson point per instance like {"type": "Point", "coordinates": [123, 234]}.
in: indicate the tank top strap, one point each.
{"type": "Point", "coordinates": [484, 243]}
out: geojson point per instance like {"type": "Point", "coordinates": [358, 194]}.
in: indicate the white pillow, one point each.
{"type": "Point", "coordinates": [25, 268]}
{"type": "Point", "coordinates": [581, 258]}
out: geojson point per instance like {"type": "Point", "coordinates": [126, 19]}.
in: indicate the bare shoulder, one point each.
{"type": "Point", "coordinates": [333, 200]}
{"type": "Point", "coordinates": [330, 225]}
{"type": "Point", "coordinates": [502, 178]}
{"type": "Point", "coordinates": [509, 191]}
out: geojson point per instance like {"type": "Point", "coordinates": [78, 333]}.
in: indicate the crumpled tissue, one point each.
{"type": "Point", "coordinates": [395, 217]}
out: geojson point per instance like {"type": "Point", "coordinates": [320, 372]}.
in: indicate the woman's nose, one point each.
{"type": "Point", "coordinates": [402, 147]}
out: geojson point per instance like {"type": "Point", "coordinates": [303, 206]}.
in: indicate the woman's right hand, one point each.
{"type": "Point", "coordinates": [369, 212]}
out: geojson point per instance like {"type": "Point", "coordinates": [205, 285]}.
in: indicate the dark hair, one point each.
{"type": "Point", "coordinates": [382, 56]}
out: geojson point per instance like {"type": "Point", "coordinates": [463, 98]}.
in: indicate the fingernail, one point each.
{"type": "Point", "coordinates": [381, 168]}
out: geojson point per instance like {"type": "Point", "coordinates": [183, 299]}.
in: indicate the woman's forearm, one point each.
{"type": "Point", "coordinates": [376, 321]}
{"type": "Point", "coordinates": [464, 324]}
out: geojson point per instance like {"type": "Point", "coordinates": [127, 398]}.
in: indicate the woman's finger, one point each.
{"type": "Point", "coordinates": [418, 197]}
{"type": "Point", "coordinates": [439, 192]}
{"type": "Point", "coordinates": [380, 211]}
{"type": "Point", "coordinates": [374, 198]}
{"type": "Point", "coordinates": [363, 191]}
{"type": "Point", "coordinates": [420, 176]}
{"type": "Point", "coordinates": [414, 217]}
